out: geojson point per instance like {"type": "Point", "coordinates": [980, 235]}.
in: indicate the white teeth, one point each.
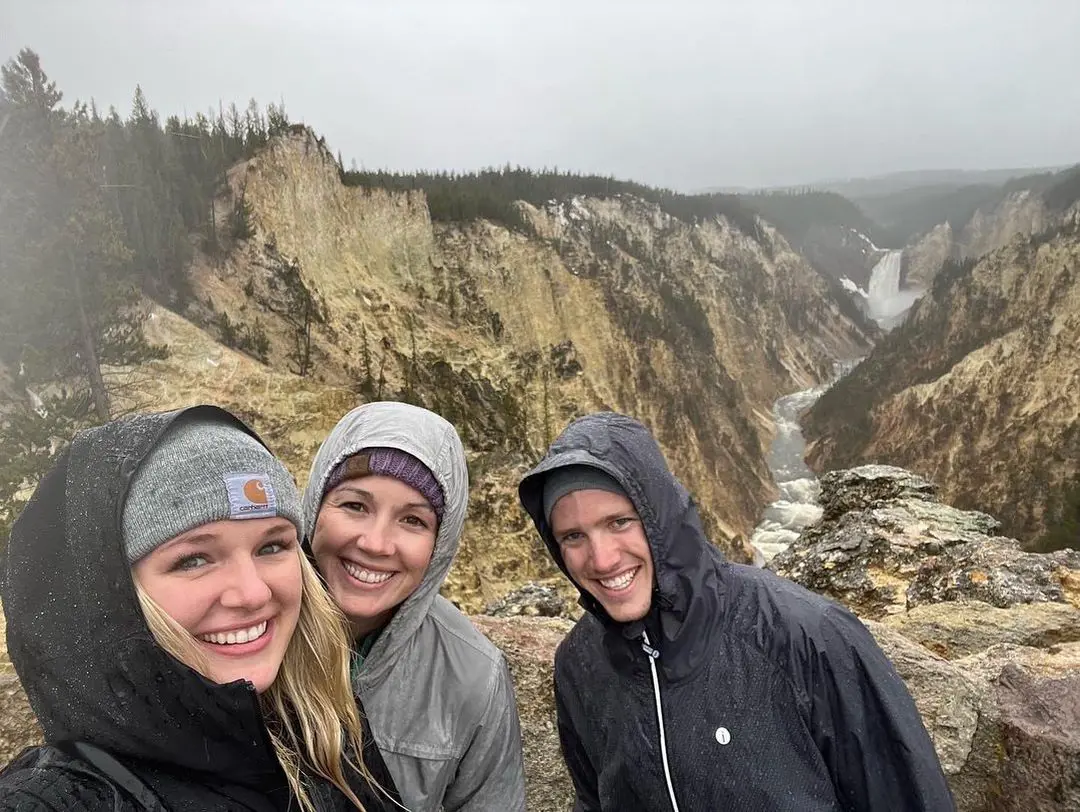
{"type": "Point", "coordinates": [620, 582]}
{"type": "Point", "coordinates": [366, 575]}
{"type": "Point", "coordinates": [232, 638]}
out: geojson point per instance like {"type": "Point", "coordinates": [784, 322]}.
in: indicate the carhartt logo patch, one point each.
{"type": "Point", "coordinates": [255, 491]}
{"type": "Point", "coordinates": [251, 496]}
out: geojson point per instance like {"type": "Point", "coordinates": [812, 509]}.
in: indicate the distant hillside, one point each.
{"type": "Point", "coordinates": [895, 182]}
{"type": "Point", "coordinates": [796, 213]}
{"type": "Point", "coordinates": [912, 212]}
{"type": "Point", "coordinates": [827, 228]}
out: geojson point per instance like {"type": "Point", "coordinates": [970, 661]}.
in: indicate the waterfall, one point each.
{"type": "Point", "coordinates": [888, 304]}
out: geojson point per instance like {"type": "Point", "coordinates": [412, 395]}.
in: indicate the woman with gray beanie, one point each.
{"type": "Point", "coordinates": [383, 513]}
{"type": "Point", "coordinates": [177, 647]}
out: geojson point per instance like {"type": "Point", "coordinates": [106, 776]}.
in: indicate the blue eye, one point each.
{"type": "Point", "coordinates": [189, 562]}
{"type": "Point", "coordinates": [274, 547]}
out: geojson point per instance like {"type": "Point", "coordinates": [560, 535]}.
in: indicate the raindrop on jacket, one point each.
{"type": "Point", "coordinates": [771, 698]}
{"type": "Point", "coordinates": [93, 672]}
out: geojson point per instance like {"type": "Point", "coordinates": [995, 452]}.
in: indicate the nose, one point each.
{"type": "Point", "coordinates": [246, 587]}
{"type": "Point", "coordinates": [605, 554]}
{"type": "Point", "coordinates": [375, 539]}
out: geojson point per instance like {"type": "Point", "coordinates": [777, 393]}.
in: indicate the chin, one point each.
{"type": "Point", "coordinates": [626, 613]}
{"type": "Point", "coordinates": [261, 680]}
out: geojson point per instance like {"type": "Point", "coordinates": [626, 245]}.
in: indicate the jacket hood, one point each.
{"type": "Point", "coordinates": [435, 442]}
{"type": "Point", "coordinates": [687, 588]}
{"type": "Point", "coordinates": [77, 636]}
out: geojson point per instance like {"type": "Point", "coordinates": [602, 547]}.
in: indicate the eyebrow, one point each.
{"type": "Point", "coordinates": [193, 538]}
{"type": "Point", "coordinates": [617, 514]}
{"type": "Point", "coordinates": [361, 492]}
{"type": "Point", "coordinates": [197, 537]}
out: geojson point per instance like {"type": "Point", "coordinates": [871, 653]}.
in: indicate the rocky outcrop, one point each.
{"type": "Point", "coordinates": [985, 635]}
{"type": "Point", "coordinates": [536, 600]}
{"type": "Point", "coordinates": [693, 327]}
{"type": "Point", "coordinates": [924, 259]}
{"type": "Point", "coordinates": [958, 628]}
{"type": "Point", "coordinates": [1021, 212]}
{"type": "Point", "coordinates": [884, 546]}
{"type": "Point", "coordinates": [978, 390]}
{"type": "Point", "coordinates": [1005, 722]}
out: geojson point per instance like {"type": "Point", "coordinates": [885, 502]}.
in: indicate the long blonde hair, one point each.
{"type": "Point", "coordinates": [313, 717]}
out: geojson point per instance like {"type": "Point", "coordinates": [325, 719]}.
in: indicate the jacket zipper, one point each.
{"type": "Point", "coordinates": [653, 654]}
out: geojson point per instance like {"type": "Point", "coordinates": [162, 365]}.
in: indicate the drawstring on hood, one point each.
{"type": "Point", "coordinates": [685, 595]}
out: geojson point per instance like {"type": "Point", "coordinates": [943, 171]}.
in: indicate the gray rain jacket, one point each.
{"type": "Point", "coordinates": [437, 692]}
{"type": "Point", "coordinates": [739, 690]}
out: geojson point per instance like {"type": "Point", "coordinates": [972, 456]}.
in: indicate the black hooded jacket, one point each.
{"type": "Point", "coordinates": [93, 672]}
{"type": "Point", "coordinates": [772, 697]}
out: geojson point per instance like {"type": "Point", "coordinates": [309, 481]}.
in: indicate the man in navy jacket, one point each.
{"type": "Point", "coordinates": [692, 684]}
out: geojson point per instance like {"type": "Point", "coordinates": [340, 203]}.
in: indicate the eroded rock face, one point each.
{"type": "Point", "coordinates": [884, 546]}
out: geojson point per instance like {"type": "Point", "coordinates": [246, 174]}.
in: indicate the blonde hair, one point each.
{"type": "Point", "coordinates": [312, 715]}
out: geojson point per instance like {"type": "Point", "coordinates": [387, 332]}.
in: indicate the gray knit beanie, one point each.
{"type": "Point", "coordinates": [203, 471]}
{"type": "Point", "coordinates": [572, 478]}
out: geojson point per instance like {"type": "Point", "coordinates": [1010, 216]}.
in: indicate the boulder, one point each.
{"type": "Point", "coordinates": [957, 629]}
{"type": "Point", "coordinates": [884, 546]}
{"type": "Point", "coordinates": [531, 600]}
{"type": "Point", "coordinates": [1005, 722]}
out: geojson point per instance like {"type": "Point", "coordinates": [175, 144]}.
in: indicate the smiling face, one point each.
{"type": "Point", "coordinates": [604, 548]}
{"type": "Point", "coordinates": [236, 587]}
{"type": "Point", "coordinates": [373, 541]}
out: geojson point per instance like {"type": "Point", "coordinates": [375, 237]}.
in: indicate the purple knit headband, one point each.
{"type": "Point", "coordinates": [393, 463]}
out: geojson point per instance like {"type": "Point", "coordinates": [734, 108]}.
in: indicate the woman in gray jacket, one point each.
{"type": "Point", "coordinates": [383, 513]}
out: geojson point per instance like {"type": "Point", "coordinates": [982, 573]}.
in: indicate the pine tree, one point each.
{"type": "Point", "coordinates": [71, 304]}
{"type": "Point", "coordinates": [303, 310]}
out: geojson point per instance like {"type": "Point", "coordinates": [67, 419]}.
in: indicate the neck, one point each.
{"type": "Point", "coordinates": [361, 627]}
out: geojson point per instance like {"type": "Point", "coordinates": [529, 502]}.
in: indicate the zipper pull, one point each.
{"type": "Point", "coordinates": [649, 650]}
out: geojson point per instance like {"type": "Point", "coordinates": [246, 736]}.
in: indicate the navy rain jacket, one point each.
{"type": "Point", "coordinates": [740, 690]}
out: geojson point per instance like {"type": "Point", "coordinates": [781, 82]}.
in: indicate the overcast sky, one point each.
{"type": "Point", "coordinates": [684, 94]}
